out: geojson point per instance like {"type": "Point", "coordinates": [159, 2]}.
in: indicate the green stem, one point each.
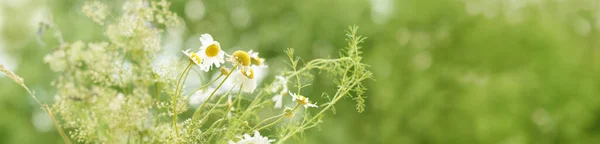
{"type": "Point", "coordinates": [174, 99]}
{"type": "Point", "coordinates": [276, 121]}
{"type": "Point", "coordinates": [239, 96]}
{"type": "Point", "coordinates": [202, 87]}
{"type": "Point", "coordinates": [338, 97]}
{"type": "Point", "coordinates": [212, 108]}
{"type": "Point", "coordinates": [214, 91]}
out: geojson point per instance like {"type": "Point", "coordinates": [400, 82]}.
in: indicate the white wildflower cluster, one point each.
{"type": "Point", "coordinates": [97, 11]}
{"type": "Point", "coordinates": [119, 91]}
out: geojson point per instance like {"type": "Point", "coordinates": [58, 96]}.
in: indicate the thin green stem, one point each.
{"type": "Point", "coordinates": [44, 106]}
{"type": "Point", "coordinates": [174, 99]}
{"type": "Point", "coordinates": [216, 105]}
{"type": "Point", "coordinates": [202, 87]}
{"type": "Point", "coordinates": [239, 96]}
{"type": "Point", "coordinates": [267, 119]}
{"type": "Point", "coordinates": [338, 97]}
{"type": "Point", "coordinates": [278, 120]}
{"type": "Point", "coordinates": [214, 91]}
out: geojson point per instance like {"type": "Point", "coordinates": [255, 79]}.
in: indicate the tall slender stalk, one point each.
{"type": "Point", "coordinates": [44, 106]}
{"type": "Point", "coordinates": [177, 91]}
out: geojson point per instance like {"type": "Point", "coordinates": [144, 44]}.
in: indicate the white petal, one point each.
{"type": "Point", "coordinates": [256, 134]}
{"type": "Point", "coordinates": [246, 136]}
{"type": "Point", "coordinates": [206, 39]}
{"type": "Point", "coordinates": [249, 85]}
{"type": "Point", "coordinates": [278, 100]}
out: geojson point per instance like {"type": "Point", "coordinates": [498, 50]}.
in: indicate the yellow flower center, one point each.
{"type": "Point", "coordinates": [212, 50]}
{"type": "Point", "coordinates": [251, 75]}
{"type": "Point", "coordinates": [242, 57]}
{"type": "Point", "coordinates": [302, 100]}
{"type": "Point", "coordinates": [194, 56]}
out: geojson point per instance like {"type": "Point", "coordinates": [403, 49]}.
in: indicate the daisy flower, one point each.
{"type": "Point", "coordinates": [257, 139]}
{"type": "Point", "coordinates": [278, 99]}
{"type": "Point", "coordinates": [241, 59]}
{"type": "Point", "coordinates": [255, 59]}
{"type": "Point", "coordinates": [302, 100]}
{"type": "Point", "coordinates": [246, 80]}
{"type": "Point", "coordinates": [280, 82]}
{"type": "Point", "coordinates": [211, 52]}
{"type": "Point", "coordinates": [195, 58]}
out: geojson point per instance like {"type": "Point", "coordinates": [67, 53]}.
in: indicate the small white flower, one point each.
{"type": "Point", "coordinates": [241, 59]}
{"type": "Point", "coordinates": [195, 58]}
{"type": "Point", "coordinates": [280, 82]}
{"type": "Point", "coordinates": [246, 80]}
{"type": "Point", "coordinates": [237, 78]}
{"type": "Point", "coordinates": [257, 139]}
{"type": "Point", "coordinates": [278, 98]}
{"type": "Point", "coordinates": [211, 52]}
{"type": "Point", "coordinates": [302, 100]}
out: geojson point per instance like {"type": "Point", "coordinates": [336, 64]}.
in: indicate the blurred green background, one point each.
{"type": "Point", "coordinates": [446, 71]}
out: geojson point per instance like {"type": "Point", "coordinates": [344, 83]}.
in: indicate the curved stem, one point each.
{"type": "Point", "coordinates": [267, 119]}
{"type": "Point", "coordinates": [174, 99]}
{"type": "Point", "coordinates": [212, 108]}
{"type": "Point", "coordinates": [44, 106]}
{"type": "Point", "coordinates": [202, 87]}
{"type": "Point", "coordinates": [276, 121]}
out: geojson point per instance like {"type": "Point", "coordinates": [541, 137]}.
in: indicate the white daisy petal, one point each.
{"type": "Point", "coordinates": [247, 81]}
{"type": "Point", "coordinates": [206, 39]}
{"type": "Point", "coordinates": [278, 99]}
